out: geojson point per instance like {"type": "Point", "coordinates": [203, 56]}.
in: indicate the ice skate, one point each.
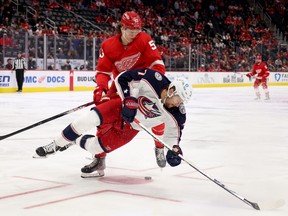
{"type": "Point", "coordinates": [52, 148]}
{"type": "Point", "coordinates": [258, 97]}
{"type": "Point", "coordinates": [160, 157]}
{"type": "Point", "coordinates": [94, 169]}
{"type": "Point", "coordinates": [267, 96]}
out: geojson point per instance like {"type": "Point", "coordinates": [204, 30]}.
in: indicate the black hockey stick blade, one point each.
{"type": "Point", "coordinates": [46, 120]}
{"type": "Point", "coordinates": [252, 204]}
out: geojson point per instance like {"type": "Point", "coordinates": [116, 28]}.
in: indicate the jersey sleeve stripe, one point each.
{"type": "Point", "coordinates": [156, 62]}
{"type": "Point", "coordinates": [104, 72]}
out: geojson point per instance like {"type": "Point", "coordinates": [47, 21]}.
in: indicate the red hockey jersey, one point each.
{"type": "Point", "coordinates": [260, 70]}
{"type": "Point", "coordinates": [115, 58]}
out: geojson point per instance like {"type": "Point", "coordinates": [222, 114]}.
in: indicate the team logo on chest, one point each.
{"type": "Point", "coordinates": [127, 62]}
{"type": "Point", "coordinates": [258, 70]}
{"type": "Point", "coordinates": [148, 108]}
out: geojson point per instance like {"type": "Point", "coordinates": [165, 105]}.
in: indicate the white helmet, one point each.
{"type": "Point", "coordinates": [182, 88]}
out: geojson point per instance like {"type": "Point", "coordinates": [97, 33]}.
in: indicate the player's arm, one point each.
{"type": "Point", "coordinates": [103, 69]}
{"type": "Point", "coordinates": [173, 131]}
{"type": "Point", "coordinates": [130, 103]}
{"type": "Point", "coordinates": [123, 80]}
{"type": "Point", "coordinates": [151, 55]}
{"type": "Point", "coordinates": [252, 73]}
{"type": "Point", "coordinates": [103, 76]}
{"type": "Point", "coordinates": [266, 71]}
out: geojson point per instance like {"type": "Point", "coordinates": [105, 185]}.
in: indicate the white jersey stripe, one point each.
{"type": "Point", "coordinates": [160, 62]}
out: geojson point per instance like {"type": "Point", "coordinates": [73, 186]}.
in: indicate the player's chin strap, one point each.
{"type": "Point", "coordinates": [252, 204]}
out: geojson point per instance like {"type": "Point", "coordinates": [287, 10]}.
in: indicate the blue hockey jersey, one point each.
{"type": "Point", "coordinates": [146, 85]}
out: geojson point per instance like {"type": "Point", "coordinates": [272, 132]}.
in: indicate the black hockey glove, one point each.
{"type": "Point", "coordinates": [129, 109]}
{"type": "Point", "coordinates": [172, 156]}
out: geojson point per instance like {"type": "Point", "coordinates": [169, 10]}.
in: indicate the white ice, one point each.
{"type": "Point", "coordinates": [238, 141]}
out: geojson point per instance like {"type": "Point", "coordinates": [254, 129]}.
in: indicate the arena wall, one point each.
{"type": "Point", "coordinates": [44, 81]}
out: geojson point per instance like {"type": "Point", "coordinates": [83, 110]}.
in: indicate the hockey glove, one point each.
{"type": "Point", "coordinates": [99, 92]}
{"type": "Point", "coordinates": [172, 156]}
{"type": "Point", "coordinates": [129, 110]}
{"type": "Point", "coordinates": [249, 76]}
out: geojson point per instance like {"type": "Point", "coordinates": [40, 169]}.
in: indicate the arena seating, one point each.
{"type": "Point", "coordinates": [221, 35]}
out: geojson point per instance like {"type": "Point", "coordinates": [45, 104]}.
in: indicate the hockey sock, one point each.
{"type": "Point", "coordinates": [159, 131]}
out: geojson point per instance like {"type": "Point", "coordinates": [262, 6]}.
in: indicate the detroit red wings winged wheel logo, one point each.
{"type": "Point", "coordinates": [127, 62]}
{"type": "Point", "coordinates": [148, 108]}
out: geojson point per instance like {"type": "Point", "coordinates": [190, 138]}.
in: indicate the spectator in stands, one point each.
{"type": "Point", "coordinates": [234, 23]}
{"type": "Point", "coordinates": [33, 22]}
{"type": "Point", "coordinates": [61, 54]}
{"type": "Point", "coordinates": [51, 67]}
{"type": "Point", "coordinates": [2, 65]}
{"type": "Point", "coordinates": [202, 68]}
{"type": "Point", "coordinates": [55, 31]}
{"type": "Point", "coordinates": [31, 63]}
{"type": "Point", "coordinates": [67, 65]}
{"type": "Point", "coordinates": [278, 64]}
{"type": "Point", "coordinates": [9, 65]}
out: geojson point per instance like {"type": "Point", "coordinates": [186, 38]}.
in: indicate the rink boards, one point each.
{"type": "Point", "coordinates": [41, 81]}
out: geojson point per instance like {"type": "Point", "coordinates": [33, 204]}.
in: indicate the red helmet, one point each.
{"type": "Point", "coordinates": [131, 20]}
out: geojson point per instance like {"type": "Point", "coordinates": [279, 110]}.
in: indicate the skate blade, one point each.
{"type": "Point", "coordinates": [36, 156]}
{"type": "Point", "coordinates": [92, 175]}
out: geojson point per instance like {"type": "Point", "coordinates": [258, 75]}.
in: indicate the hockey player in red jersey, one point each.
{"type": "Point", "coordinates": [129, 49]}
{"type": "Point", "coordinates": [261, 73]}
{"type": "Point", "coordinates": [146, 95]}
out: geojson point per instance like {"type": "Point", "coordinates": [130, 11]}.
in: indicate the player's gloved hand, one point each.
{"type": "Point", "coordinates": [249, 76]}
{"type": "Point", "coordinates": [98, 94]}
{"type": "Point", "coordinates": [129, 110]}
{"type": "Point", "coordinates": [172, 156]}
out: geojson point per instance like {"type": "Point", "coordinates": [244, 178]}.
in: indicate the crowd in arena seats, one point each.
{"type": "Point", "coordinates": [278, 11]}
{"type": "Point", "coordinates": [216, 35]}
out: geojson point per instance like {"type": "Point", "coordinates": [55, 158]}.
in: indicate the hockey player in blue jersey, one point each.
{"type": "Point", "coordinates": [146, 95]}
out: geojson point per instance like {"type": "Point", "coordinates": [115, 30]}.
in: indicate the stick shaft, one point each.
{"type": "Point", "coordinates": [46, 120]}
{"type": "Point", "coordinates": [253, 205]}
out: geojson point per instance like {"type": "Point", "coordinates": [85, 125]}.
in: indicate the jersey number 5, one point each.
{"type": "Point", "coordinates": [152, 45]}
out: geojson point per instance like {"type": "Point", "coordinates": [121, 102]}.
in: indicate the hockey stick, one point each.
{"type": "Point", "coordinates": [46, 120]}
{"type": "Point", "coordinates": [252, 204]}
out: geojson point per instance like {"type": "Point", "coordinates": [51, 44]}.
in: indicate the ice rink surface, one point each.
{"type": "Point", "coordinates": [240, 142]}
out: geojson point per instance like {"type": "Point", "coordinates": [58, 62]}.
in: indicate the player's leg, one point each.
{"type": "Point", "coordinates": [108, 139]}
{"type": "Point", "coordinates": [97, 166]}
{"type": "Point", "coordinates": [18, 79]}
{"type": "Point", "coordinates": [256, 89]}
{"type": "Point", "coordinates": [159, 148]}
{"type": "Point", "coordinates": [104, 113]}
{"type": "Point", "coordinates": [21, 72]}
{"type": "Point", "coordinates": [70, 133]}
{"type": "Point", "coordinates": [266, 90]}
